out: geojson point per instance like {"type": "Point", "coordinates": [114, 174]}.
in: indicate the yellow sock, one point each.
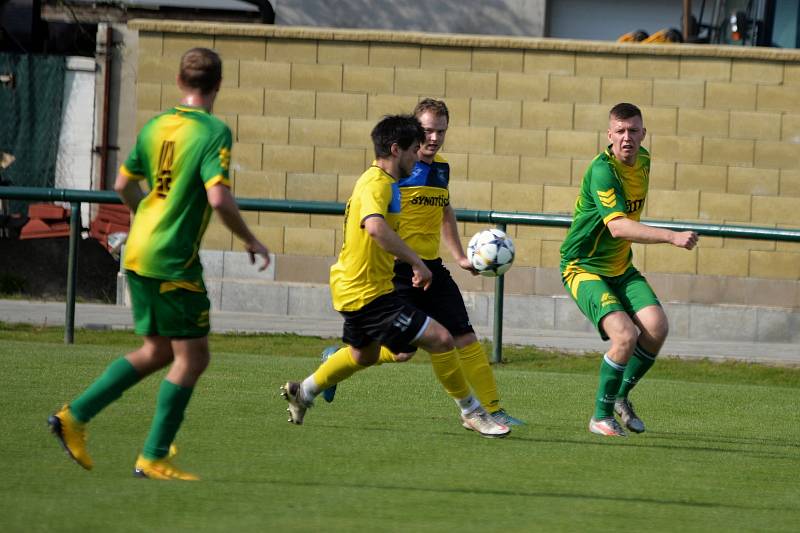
{"type": "Point", "coordinates": [336, 368]}
{"type": "Point", "coordinates": [479, 374]}
{"type": "Point", "coordinates": [386, 356]}
{"type": "Point", "coordinates": [448, 371]}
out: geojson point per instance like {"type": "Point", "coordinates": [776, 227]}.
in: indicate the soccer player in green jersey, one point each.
{"type": "Point", "coordinates": [598, 273]}
{"type": "Point", "coordinates": [362, 290]}
{"type": "Point", "coordinates": [183, 154]}
{"type": "Point", "coordinates": [426, 219]}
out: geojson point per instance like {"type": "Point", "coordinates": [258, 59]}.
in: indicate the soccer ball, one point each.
{"type": "Point", "coordinates": [491, 252]}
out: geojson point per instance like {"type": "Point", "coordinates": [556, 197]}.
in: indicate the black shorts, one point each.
{"type": "Point", "coordinates": [387, 319]}
{"type": "Point", "coordinates": [442, 301]}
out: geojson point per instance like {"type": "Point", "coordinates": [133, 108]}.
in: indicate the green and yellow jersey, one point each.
{"type": "Point", "coordinates": [424, 195]}
{"type": "Point", "coordinates": [364, 270]}
{"type": "Point", "coordinates": [610, 189]}
{"type": "Point", "coordinates": [181, 153]}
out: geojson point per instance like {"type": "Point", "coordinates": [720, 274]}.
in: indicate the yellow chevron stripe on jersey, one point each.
{"type": "Point", "coordinates": [608, 198]}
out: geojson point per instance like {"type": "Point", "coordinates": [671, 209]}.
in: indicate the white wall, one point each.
{"type": "Point", "coordinates": [76, 138]}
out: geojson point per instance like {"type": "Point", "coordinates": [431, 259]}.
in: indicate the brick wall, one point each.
{"type": "Point", "coordinates": [527, 115]}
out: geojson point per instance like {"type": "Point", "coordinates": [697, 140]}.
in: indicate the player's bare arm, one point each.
{"type": "Point", "coordinates": [631, 230]}
{"type": "Point", "coordinates": [129, 191]}
{"type": "Point", "coordinates": [379, 230]}
{"type": "Point", "coordinates": [223, 203]}
{"type": "Point", "coordinates": [453, 241]}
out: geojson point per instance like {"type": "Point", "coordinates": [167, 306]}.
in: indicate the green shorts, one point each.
{"type": "Point", "coordinates": [169, 308]}
{"type": "Point", "coordinates": [598, 296]}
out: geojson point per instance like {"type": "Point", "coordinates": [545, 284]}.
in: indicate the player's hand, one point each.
{"type": "Point", "coordinates": [685, 239]}
{"type": "Point", "coordinates": [466, 265]}
{"type": "Point", "coordinates": [422, 276]}
{"type": "Point", "coordinates": [256, 248]}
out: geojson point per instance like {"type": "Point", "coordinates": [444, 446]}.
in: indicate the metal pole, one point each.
{"type": "Point", "coordinates": [687, 13]}
{"type": "Point", "coordinates": [72, 271]}
{"type": "Point", "coordinates": [497, 326]}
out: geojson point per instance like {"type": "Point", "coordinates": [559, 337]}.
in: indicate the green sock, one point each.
{"type": "Point", "coordinates": [170, 406]}
{"type": "Point", "coordinates": [118, 377]}
{"type": "Point", "coordinates": [637, 367]}
{"type": "Point", "coordinates": [610, 379]}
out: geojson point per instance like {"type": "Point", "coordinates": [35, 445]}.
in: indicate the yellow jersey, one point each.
{"type": "Point", "coordinates": [364, 270]}
{"type": "Point", "coordinates": [424, 195]}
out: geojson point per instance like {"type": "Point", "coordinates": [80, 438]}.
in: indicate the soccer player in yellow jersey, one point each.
{"type": "Point", "coordinates": [183, 154]}
{"type": "Point", "coordinates": [362, 289]}
{"type": "Point", "coordinates": [598, 273]}
{"type": "Point", "coordinates": [427, 218]}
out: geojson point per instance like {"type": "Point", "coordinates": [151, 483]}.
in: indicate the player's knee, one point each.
{"type": "Point", "coordinates": [437, 339]}
{"type": "Point", "coordinates": [403, 357]}
{"type": "Point", "coordinates": [624, 339]}
{"type": "Point", "coordinates": [191, 367]}
{"type": "Point", "coordinates": [656, 331]}
{"type": "Point", "coordinates": [156, 355]}
{"type": "Point", "coordinates": [661, 330]}
{"type": "Point", "coordinates": [462, 341]}
{"type": "Point", "coordinates": [444, 341]}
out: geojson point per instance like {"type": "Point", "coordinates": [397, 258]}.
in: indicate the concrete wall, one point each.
{"type": "Point", "coordinates": [527, 115]}
{"type": "Point", "coordinates": [235, 285]}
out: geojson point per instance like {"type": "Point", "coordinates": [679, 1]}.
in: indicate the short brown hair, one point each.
{"type": "Point", "coordinates": [437, 107]}
{"type": "Point", "coordinates": [624, 111]}
{"type": "Point", "coordinates": [403, 130]}
{"type": "Point", "coordinates": [201, 69]}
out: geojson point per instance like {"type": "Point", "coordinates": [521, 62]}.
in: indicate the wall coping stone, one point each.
{"type": "Point", "coordinates": [464, 40]}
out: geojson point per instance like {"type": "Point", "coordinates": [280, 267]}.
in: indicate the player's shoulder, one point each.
{"type": "Point", "coordinates": [439, 158]}
{"type": "Point", "coordinates": [603, 162]}
{"type": "Point", "coordinates": [216, 126]}
{"type": "Point", "coordinates": [156, 119]}
{"type": "Point", "coordinates": [643, 155]}
{"type": "Point", "coordinates": [374, 176]}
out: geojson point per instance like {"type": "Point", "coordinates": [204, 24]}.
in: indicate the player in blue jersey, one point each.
{"type": "Point", "coordinates": [427, 219]}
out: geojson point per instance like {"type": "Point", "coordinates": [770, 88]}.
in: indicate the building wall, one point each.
{"type": "Point", "coordinates": [505, 17]}
{"type": "Point", "coordinates": [527, 116]}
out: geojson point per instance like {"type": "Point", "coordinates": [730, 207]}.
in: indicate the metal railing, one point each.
{"type": "Point", "coordinates": [499, 218]}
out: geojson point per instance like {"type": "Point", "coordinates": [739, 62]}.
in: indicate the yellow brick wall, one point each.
{"type": "Point", "coordinates": [527, 115]}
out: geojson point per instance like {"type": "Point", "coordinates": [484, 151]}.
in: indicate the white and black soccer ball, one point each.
{"type": "Point", "coordinates": [491, 252]}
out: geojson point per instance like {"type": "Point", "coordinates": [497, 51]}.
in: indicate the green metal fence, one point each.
{"type": "Point", "coordinates": [499, 218]}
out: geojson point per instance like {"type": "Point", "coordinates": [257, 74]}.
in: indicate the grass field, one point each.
{"type": "Point", "coordinates": [722, 450]}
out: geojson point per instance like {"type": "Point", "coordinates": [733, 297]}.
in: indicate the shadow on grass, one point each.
{"type": "Point", "coordinates": [615, 499]}
{"type": "Point", "coordinates": [727, 439]}
{"type": "Point", "coordinates": [516, 437]}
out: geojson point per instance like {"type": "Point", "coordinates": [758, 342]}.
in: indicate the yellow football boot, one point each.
{"type": "Point", "coordinates": [161, 468]}
{"type": "Point", "coordinates": [72, 435]}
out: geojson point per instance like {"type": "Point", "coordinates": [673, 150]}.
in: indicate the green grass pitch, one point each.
{"type": "Point", "coordinates": [722, 450]}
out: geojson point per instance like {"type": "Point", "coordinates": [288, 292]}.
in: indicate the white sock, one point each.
{"type": "Point", "coordinates": [468, 404]}
{"type": "Point", "coordinates": [310, 389]}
